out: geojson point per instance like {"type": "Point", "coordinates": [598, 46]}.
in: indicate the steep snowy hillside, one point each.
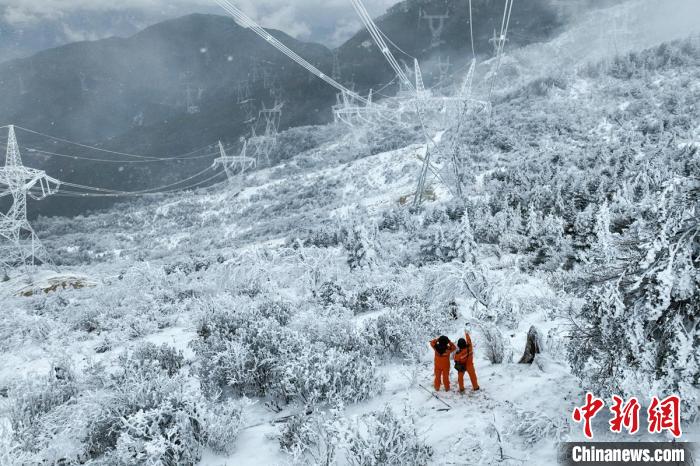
{"type": "Point", "coordinates": [599, 34]}
{"type": "Point", "coordinates": [285, 318]}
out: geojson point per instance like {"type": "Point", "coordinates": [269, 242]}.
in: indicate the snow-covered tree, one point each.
{"type": "Point", "coordinates": [638, 332]}
{"type": "Point", "coordinates": [361, 247]}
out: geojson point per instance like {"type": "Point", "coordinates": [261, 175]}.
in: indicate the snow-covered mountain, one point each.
{"type": "Point", "coordinates": [23, 35]}
{"type": "Point", "coordinates": [284, 317]}
{"type": "Point", "coordinates": [185, 83]}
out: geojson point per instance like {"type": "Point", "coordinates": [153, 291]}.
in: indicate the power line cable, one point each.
{"type": "Point", "coordinates": [378, 39]}
{"type": "Point", "coordinates": [505, 23]}
{"type": "Point", "coordinates": [85, 146]}
{"type": "Point", "coordinates": [144, 191]}
{"type": "Point", "coordinates": [75, 194]}
{"type": "Point", "coordinates": [78, 157]}
{"type": "Point", "coordinates": [471, 29]}
{"type": "Point", "coordinates": [247, 22]}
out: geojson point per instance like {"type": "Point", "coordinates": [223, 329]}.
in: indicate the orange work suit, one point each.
{"type": "Point", "coordinates": [442, 365]}
{"type": "Point", "coordinates": [466, 357]}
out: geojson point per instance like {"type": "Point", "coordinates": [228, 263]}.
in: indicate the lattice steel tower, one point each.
{"type": "Point", "coordinates": [234, 165]}
{"type": "Point", "coordinates": [19, 244]}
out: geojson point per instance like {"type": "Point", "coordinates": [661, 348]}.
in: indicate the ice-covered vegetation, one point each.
{"type": "Point", "coordinates": [290, 319]}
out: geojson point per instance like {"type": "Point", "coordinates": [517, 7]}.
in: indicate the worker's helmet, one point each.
{"type": "Point", "coordinates": [461, 343]}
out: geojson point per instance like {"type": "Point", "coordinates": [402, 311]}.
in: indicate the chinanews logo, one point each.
{"type": "Point", "coordinates": [663, 416]}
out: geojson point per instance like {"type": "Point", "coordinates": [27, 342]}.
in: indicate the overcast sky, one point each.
{"type": "Point", "coordinates": [328, 21]}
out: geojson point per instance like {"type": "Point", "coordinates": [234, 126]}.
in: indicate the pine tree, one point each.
{"type": "Point", "coordinates": [361, 248]}
{"type": "Point", "coordinates": [638, 332]}
{"type": "Point", "coordinates": [464, 244]}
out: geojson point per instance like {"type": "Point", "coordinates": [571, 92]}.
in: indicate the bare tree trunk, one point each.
{"type": "Point", "coordinates": [532, 347]}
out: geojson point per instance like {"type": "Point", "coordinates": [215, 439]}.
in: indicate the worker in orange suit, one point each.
{"type": "Point", "coordinates": [443, 347]}
{"type": "Point", "coordinates": [464, 362]}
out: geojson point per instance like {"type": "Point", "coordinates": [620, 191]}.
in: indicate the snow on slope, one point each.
{"type": "Point", "coordinates": [251, 218]}
{"type": "Point", "coordinates": [599, 34]}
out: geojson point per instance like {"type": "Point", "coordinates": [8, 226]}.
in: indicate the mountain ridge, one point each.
{"type": "Point", "coordinates": [131, 94]}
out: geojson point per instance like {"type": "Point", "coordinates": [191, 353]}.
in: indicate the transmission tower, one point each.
{"type": "Point", "coordinates": [22, 87]}
{"type": "Point", "coordinates": [444, 69]}
{"type": "Point", "coordinates": [353, 113]}
{"type": "Point", "coordinates": [498, 42]}
{"type": "Point", "coordinates": [192, 107]}
{"type": "Point", "coordinates": [436, 23]}
{"type": "Point", "coordinates": [83, 83]}
{"type": "Point", "coordinates": [266, 141]}
{"type": "Point", "coordinates": [236, 164]}
{"type": "Point", "coordinates": [243, 91]}
{"type": "Point", "coordinates": [336, 75]}
{"type": "Point", "coordinates": [19, 244]}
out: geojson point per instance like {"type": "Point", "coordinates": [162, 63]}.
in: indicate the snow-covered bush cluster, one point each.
{"type": "Point", "coordinates": [258, 351]}
{"type": "Point", "coordinates": [142, 411]}
{"type": "Point", "coordinates": [377, 438]}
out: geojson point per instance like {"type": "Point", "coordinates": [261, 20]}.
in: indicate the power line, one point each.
{"type": "Point", "coordinates": [85, 146]}
{"type": "Point", "coordinates": [501, 42]}
{"type": "Point", "coordinates": [379, 40]}
{"type": "Point", "coordinates": [78, 157]}
{"type": "Point", "coordinates": [396, 46]}
{"type": "Point", "coordinates": [75, 194]}
{"type": "Point", "coordinates": [246, 21]}
{"type": "Point", "coordinates": [103, 192]}
{"type": "Point", "coordinates": [471, 29]}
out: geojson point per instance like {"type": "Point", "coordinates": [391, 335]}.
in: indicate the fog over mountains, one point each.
{"type": "Point", "coordinates": [132, 94]}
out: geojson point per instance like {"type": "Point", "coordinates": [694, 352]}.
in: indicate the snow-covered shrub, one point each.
{"type": "Point", "coordinates": [243, 352]}
{"type": "Point", "coordinates": [330, 293]}
{"type": "Point", "coordinates": [362, 247]}
{"type": "Point", "coordinates": [331, 325]}
{"type": "Point", "coordinates": [447, 281]}
{"type": "Point", "coordinates": [31, 399]}
{"type": "Point", "coordinates": [188, 267]}
{"type": "Point", "coordinates": [312, 438]}
{"type": "Point", "coordinates": [370, 299]}
{"type": "Point", "coordinates": [18, 327]}
{"type": "Point", "coordinates": [637, 332]}
{"type": "Point", "coordinates": [326, 236]}
{"type": "Point", "coordinates": [88, 321]}
{"type": "Point", "coordinates": [222, 422]}
{"type": "Point", "coordinates": [405, 330]}
{"type": "Point", "coordinates": [535, 426]}
{"type": "Point", "coordinates": [501, 310]}
{"type": "Point", "coordinates": [319, 374]}
{"type": "Point", "coordinates": [556, 344]}
{"type": "Point", "coordinates": [316, 358]}
{"type": "Point", "coordinates": [437, 245]}
{"type": "Point", "coordinates": [147, 412]}
{"type": "Point", "coordinates": [386, 438]}
{"type": "Point", "coordinates": [278, 310]}
{"type": "Point", "coordinates": [146, 394]}
{"type": "Point", "coordinates": [167, 358]}
{"type": "Point", "coordinates": [496, 348]}
{"type": "Point", "coordinates": [448, 242]}
{"type": "Point", "coordinates": [168, 434]}
{"type": "Point", "coordinates": [396, 219]}
{"type": "Point", "coordinates": [11, 454]}
{"type": "Point", "coordinates": [547, 245]}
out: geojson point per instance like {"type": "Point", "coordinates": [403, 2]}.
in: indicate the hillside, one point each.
{"type": "Point", "coordinates": [286, 318]}
{"type": "Point", "coordinates": [131, 94]}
